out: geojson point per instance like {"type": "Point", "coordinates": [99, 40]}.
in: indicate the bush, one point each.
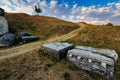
{"type": "Point", "coordinates": [71, 67]}
{"type": "Point", "coordinates": [66, 75]}
{"type": "Point", "coordinates": [49, 65]}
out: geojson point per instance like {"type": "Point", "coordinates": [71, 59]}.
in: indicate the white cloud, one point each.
{"type": "Point", "coordinates": [7, 8]}
{"type": "Point", "coordinates": [66, 5]}
{"type": "Point", "coordinates": [43, 3]}
{"type": "Point", "coordinates": [6, 2]}
{"type": "Point", "coordinates": [117, 5]}
{"type": "Point", "coordinates": [92, 14]}
{"type": "Point", "coordinates": [80, 17]}
{"type": "Point", "coordinates": [53, 4]}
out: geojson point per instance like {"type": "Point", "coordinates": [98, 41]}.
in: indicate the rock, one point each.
{"type": "Point", "coordinates": [95, 60]}
{"type": "Point", "coordinates": [3, 25]}
{"type": "Point", "coordinates": [57, 50]}
{"type": "Point", "coordinates": [7, 40]}
{"type": "Point", "coordinates": [21, 34]}
{"type": "Point", "coordinates": [29, 38]}
{"type": "Point", "coordinates": [2, 12]}
{"type": "Point", "coordinates": [26, 37]}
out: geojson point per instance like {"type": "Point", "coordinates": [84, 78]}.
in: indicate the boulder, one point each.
{"type": "Point", "coordinates": [21, 34]}
{"type": "Point", "coordinates": [26, 37]}
{"type": "Point", "coordinates": [57, 50]}
{"type": "Point", "coordinates": [7, 39]}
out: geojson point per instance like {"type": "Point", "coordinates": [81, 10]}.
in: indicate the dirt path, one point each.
{"type": "Point", "coordinates": [11, 52]}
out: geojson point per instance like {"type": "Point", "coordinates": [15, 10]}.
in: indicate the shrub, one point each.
{"type": "Point", "coordinates": [71, 67]}
{"type": "Point", "coordinates": [66, 75]}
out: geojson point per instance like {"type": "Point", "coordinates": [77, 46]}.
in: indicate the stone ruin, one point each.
{"type": "Point", "coordinates": [8, 39]}
{"type": "Point", "coordinates": [95, 60]}
{"type": "Point", "coordinates": [26, 37]}
{"type": "Point", "coordinates": [56, 49]}
{"type": "Point", "coordinates": [3, 23]}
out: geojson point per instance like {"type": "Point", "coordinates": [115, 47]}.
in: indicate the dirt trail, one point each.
{"type": "Point", "coordinates": [11, 52]}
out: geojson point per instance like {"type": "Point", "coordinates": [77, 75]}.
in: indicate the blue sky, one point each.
{"type": "Point", "coordinates": [91, 11]}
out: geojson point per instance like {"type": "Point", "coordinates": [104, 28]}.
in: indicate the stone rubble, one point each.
{"type": "Point", "coordinates": [6, 38]}
{"type": "Point", "coordinates": [91, 59]}
{"type": "Point", "coordinates": [56, 49]}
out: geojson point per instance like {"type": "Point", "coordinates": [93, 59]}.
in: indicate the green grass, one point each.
{"type": "Point", "coordinates": [72, 67]}
{"type": "Point", "coordinates": [66, 75]}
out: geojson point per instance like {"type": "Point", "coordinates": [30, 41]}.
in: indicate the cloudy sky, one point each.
{"type": "Point", "coordinates": [91, 11]}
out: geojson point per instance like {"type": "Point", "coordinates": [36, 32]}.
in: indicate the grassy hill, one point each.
{"type": "Point", "coordinates": [36, 66]}
{"type": "Point", "coordinates": [100, 36]}
{"type": "Point", "coordinates": [41, 26]}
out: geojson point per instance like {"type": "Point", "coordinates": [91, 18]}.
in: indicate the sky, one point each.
{"type": "Point", "coordinates": [90, 11]}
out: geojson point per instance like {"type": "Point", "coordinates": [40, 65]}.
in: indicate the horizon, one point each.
{"type": "Point", "coordinates": [90, 11]}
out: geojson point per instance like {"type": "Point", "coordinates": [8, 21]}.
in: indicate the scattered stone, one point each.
{"type": "Point", "coordinates": [26, 37]}
{"type": "Point", "coordinates": [94, 60]}
{"type": "Point", "coordinates": [7, 40]}
{"type": "Point", "coordinates": [57, 50]}
{"type": "Point", "coordinates": [109, 53]}
{"type": "Point", "coordinates": [22, 34]}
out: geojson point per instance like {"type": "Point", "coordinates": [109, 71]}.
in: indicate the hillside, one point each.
{"type": "Point", "coordinates": [99, 36]}
{"type": "Point", "coordinates": [41, 26]}
{"type": "Point", "coordinates": [27, 62]}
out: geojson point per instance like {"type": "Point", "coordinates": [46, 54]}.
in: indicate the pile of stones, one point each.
{"type": "Point", "coordinates": [8, 39]}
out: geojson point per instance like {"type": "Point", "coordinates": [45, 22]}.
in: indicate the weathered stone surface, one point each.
{"type": "Point", "coordinates": [7, 40]}
{"type": "Point", "coordinates": [94, 60]}
{"type": "Point", "coordinates": [26, 37]}
{"type": "Point", "coordinates": [56, 49]}
{"type": "Point", "coordinates": [3, 25]}
{"type": "Point", "coordinates": [109, 53]}
{"type": "Point", "coordinates": [29, 38]}
{"type": "Point", "coordinates": [22, 34]}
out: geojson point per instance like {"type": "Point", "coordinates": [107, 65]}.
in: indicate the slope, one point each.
{"type": "Point", "coordinates": [99, 36]}
{"type": "Point", "coordinates": [41, 26]}
{"type": "Point", "coordinates": [27, 62]}
{"type": "Point", "coordinates": [14, 51]}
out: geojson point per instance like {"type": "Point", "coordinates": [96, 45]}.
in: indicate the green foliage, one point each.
{"type": "Point", "coordinates": [95, 76]}
{"type": "Point", "coordinates": [66, 75]}
{"type": "Point", "coordinates": [81, 31]}
{"type": "Point", "coordinates": [37, 10]}
{"type": "Point", "coordinates": [49, 65]}
{"type": "Point", "coordinates": [72, 67]}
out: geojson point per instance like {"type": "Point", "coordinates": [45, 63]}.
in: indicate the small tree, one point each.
{"type": "Point", "coordinates": [37, 9]}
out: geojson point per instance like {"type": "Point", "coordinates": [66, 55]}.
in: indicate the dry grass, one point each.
{"type": "Point", "coordinates": [41, 26]}
{"type": "Point", "coordinates": [107, 37]}
{"type": "Point", "coordinates": [36, 66]}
